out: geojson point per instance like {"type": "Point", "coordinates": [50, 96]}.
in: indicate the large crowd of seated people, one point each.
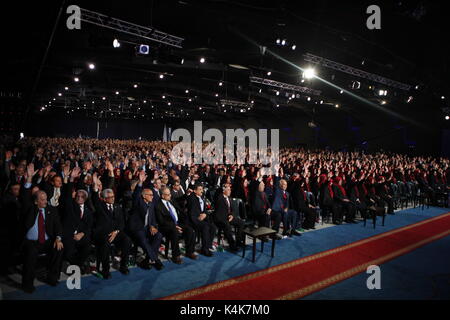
{"type": "Point", "coordinates": [68, 198]}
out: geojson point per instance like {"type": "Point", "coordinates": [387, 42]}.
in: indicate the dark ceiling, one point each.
{"type": "Point", "coordinates": [409, 48]}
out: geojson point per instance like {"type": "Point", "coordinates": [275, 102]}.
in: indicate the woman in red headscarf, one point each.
{"type": "Point", "coordinates": [340, 196]}
{"type": "Point", "coordinates": [326, 199]}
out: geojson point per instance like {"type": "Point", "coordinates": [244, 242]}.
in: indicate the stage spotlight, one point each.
{"type": "Point", "coordinates": [187, 91]}
{"type": "Point", "coordinates": [383, 102]}
{"type": "Point", "coordinates": [59, 94]}
{"type": "Point", "coordinates": [321, 101]}
{"type": "Point", "coordinates": [410, 98]}
{"type": "Point", "coordinates": [117, 92]}
{"type": "Point", "coordinates": [337, 106]}
{"type": "Point", "coordinates": [278, 93]}
{"type": "Point", "coordinates": [442, 97]}
{"type": "Point", "coordinates": [220, 83]}
{"type": "Point", "coordinates": [269, 73]}
{"type": "Point", "coordinates": [294, 47]}
{"type": "Point", "coordinates": [76, 79]}
{"type": "Point", "coordinates": [278, 41]}
{"type": "Point", "coordinates": [91, 66]}
{"type": "Point", "coordinates": [103, 98]}
{"type": "Point", "coordinates": [161, 76]}
{"type": "Point", "coordinates": [163, 97]}
{"type": "Point", "coordinates": [116, 43]}
{"type": "Point", "coordinates": [182, 61]}
{"type": "Point", "coordinates": [283, 42]}
{"type": "Point", "coordinates": [447, 117]}
{"type": "Point", "coordinates": [66, 88]}
{"type": "Point", "coordinates": [341, 92]}
{"type": "Point", "coordinates": [309, 99]}
{"type": "Point", "coordinates": [143, 49]}
{"type": "Point", "coordinates": [309, 73]}
{"type": "Point", "coordinates": [202, 60]}
{"type": "Point", "coordinates": [135, 86]}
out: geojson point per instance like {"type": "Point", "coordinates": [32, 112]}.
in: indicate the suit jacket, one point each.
{"type": "Point", "coordinates": [194, 209]}
{"type": "Point", "coordinates": [71, 215]}
{"type": "Point", "coordinates": [139, 211]}
{"type": "Point", "coordinates": [260, 203]}
{"type": "Point", "coordinates": [279, 204]}
{"type": "Point", "coordinates": [164, 218]}
{"type": "Point", "coordinates": [53, 226]}
{"type": "Point", "coordinates": [222, 211]}
{"type": "Point", "coordinates": [105, 221]}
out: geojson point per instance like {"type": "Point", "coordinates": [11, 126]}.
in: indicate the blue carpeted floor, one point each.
{"type": "Point", "coordinates": [400, 275]}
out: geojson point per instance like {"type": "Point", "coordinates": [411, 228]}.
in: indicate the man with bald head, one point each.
{"type": "Point", "coordinates": [142, 224]}
{"type": "Point", "coordinates": [43, 235]}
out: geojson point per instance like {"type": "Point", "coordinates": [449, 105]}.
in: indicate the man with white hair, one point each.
{"type": "Point", "coordinates": [77, 221]}
{"type": "Point", "coordinates": [110, 223]}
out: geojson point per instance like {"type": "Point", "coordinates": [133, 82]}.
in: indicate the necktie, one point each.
{"type": "Point", "coordinates": [171, 212]}
{"type": "Point", "coordinates": [146, 217]}
{"type": "Point", "coordinates": [228, 204]}
{"type": "Point", "coordinates": [110, 208]}
{"type": "Point", "coordinates": [41, 227]}
{"type": "Point", "coordinates": [81, 212]}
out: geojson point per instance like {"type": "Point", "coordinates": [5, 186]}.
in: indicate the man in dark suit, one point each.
{"type": "Point", "coordinates": [43, 235]}
{"type": "Point", "coordinates": [172, 224]}
{"type": "Point", "coordinates": [110, 222]}
{"type": "Point", "coordinates": [263, 212]}
{"type": "Point", "coordinates": [142, 224]}
{"type": "Point", "coordinates": [224, 219]}
{"type": "Point", "coordinates": [281, 204]}
{"type": "Point", "coordinates": [77, 222]}
{"type": "Point", "coordinates": [200, 220]}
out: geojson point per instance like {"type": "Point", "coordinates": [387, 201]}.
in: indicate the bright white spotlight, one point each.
{"type": "Point", "coordinates": [59, 94]}
{"type": "Point", "coordinates": [442, 97]}
{"type": "Point", "coordinates": [116, 43]}
{"type": "Point", "coordinates": [22, 135]}
{"type": "Point", "coordinates": [66, 88]}
{"type": "Point", "coordinates": [76, 79]}
{"type": "Point", "coordinates": [91, 66]}
{"type": "Point", "coordinates": [220, 83]}
{"type": "Point", "coordinates": [278, 93]}
{"type": "Point", "coordinates": [161, 76]}
{"type": "Point", "coordinates": [187, 91]}
{"type": "Point", "coordinates": [269, 73]}
{"type": "Point", "coordinates": [447, 117]}
{"type": "Point", "coordinates": [202, 60]}
{"type": "Point", "coordinates": [309, 73]}
{"type": "Point", "coordinates": [383, 102]}
{"type": "Point", "coordinates": [117, 92]}
{"type": "Point", "coordinates": [135, 85]}
{"type": "Point", "coordinates": [278, 41]}
{"type": "Point", "coordinates": [309, 99]}
{"type": "Point", "coordinates": [341, 92]}
{"type": "Point", "coordinates": [321, 101]}
{"type": "Point", "coordinates": [283, 42]}
{"type": "Point", "coordinates": [337, 106]}
{"type": "Point", "coordinates": [294, 47]}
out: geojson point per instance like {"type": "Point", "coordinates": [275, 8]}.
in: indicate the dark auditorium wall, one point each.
{"type": "Point", "coordinates": [73, 127]}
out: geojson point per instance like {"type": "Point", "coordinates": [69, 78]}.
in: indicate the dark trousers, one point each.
{"type": "Point", "coordinates": [310, 217]}
{"type": "Point", "coordinates": [77, 252]}
{"type": "Point", "coordinates": [121, 242]}
{"type": "Point", "coordinates": [290, 220]}
{"type": "Point", "coordinates": [226, 226]}
{"type": "Point", "coordinates": [207, 231]}
{"type": "Point", "coordinates": [31, 251]}
{"type": "Point", "coordinates": [173, 236]}
{"type": "Point", "coordinates": [148, 242]}
{"type": "Point", "coordinates": [264, 220]}
{"type": "Point", "coordinates": [349, 209]}
{"type": "Point", "coordinates": [389, 202]}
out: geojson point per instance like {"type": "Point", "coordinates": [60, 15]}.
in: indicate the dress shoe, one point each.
{"type": "Point", "coordinates": [206, 253]}
{"type": "Point", "coordinates": [295, 233]}
{"type": "Point", "coordinates": [192, 256]}
{"type": "Point", "coordinates": [124, 270]}
{"type": "Point", "coordinates": [158, 265]}
{"type": "Point", "coordinates": [28, 289]}
{"type": "Point", "coordinates": [177, 260]}
{"type": "Point", "coordinates": [145, 264]}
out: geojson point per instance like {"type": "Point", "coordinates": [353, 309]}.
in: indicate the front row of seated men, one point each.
{"type": "Point", "coordinates": [72, 228]}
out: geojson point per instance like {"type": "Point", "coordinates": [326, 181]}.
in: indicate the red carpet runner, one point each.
{"type": "Point", "coordinates": [298, 278]}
